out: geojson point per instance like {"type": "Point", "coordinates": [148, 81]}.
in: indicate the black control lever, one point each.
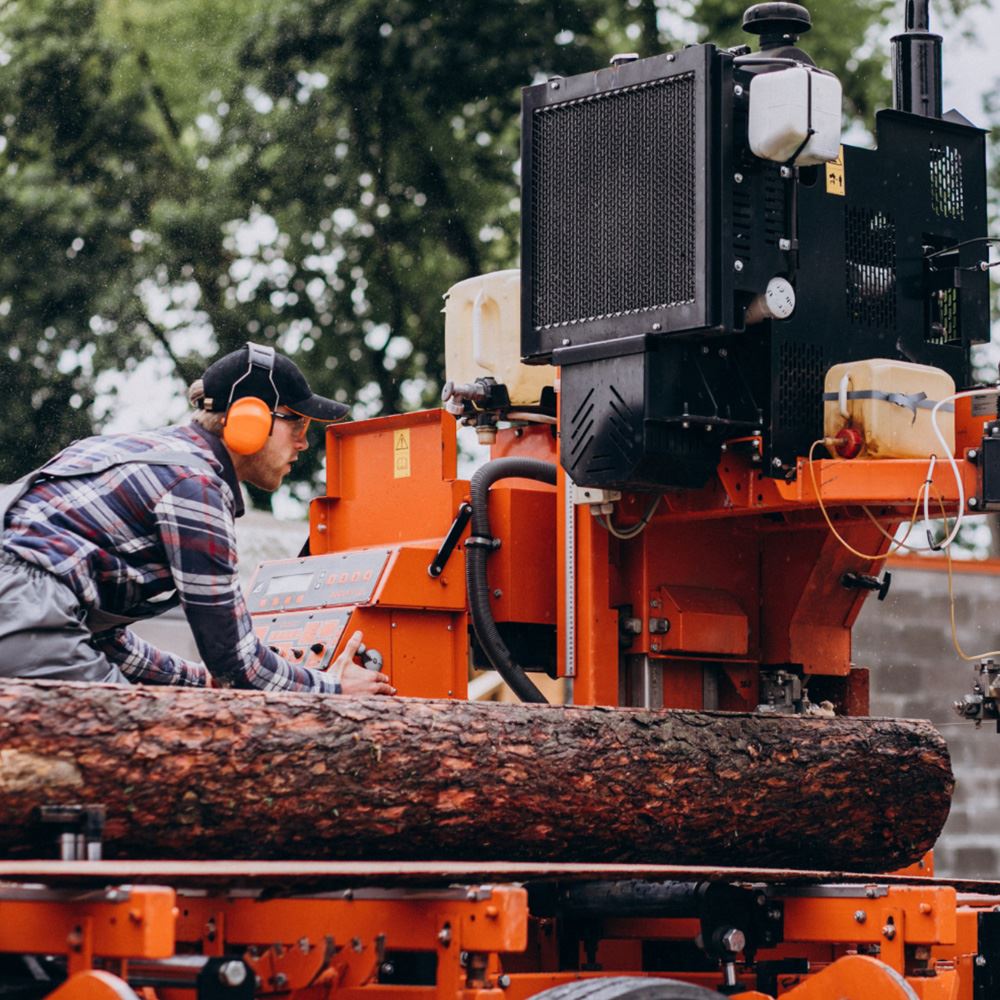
{"type": "Point", "coordinates": [462, 518]}
{"type": "Point", "coordinates": [859, 581]}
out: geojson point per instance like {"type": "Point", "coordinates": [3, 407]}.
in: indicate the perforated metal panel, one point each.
{"type": "Point", "coordinates": [870, 278]}
{"type": "Point", "coordinates": [947, 188]}
{"type": "Point", "coordinates": [614, 178]}
{"type": "Point", "coordinates": [802, 369]}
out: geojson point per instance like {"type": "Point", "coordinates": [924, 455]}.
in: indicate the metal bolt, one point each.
{"type": "Point", "coordinates": [734, 940]}
{"type": "Point", "coordinates": [566, 342]}
{"type": "Point", "coordinates": [498, 593]}
{"type": "Point", "coordinates": [279, 981]}
{"type": "Point", "coordinates": [980, 960]}
{"type": "Point", "coordinates": [671, 57]}
{"type": "Point", "coordinates": [738, 91]}
{"type": "Point", "coordinates": [555, 84]}
{"type": "Point", "coordinates": [784, 244]}
{"type": "Point", "coordinates": [889, 931]}
{"type": "Point", "coordinates": [737, 266]}
{"type": "Point", "coordinates": [871, 892]}
{"type": "Point", "coordinates": [503, 981]}
{"type": "Point", "coordinates": [973, 502]}
{"type": "Point", "coordinates": [444, 936]}
{"type": "Point", "coordinates": [786, 172]}
{"type": "Point", "coordinates": [860, 916]}
{"type": "Point", "coordinates": [776, 462]}
{"type": "Point", "coordinates": [654, 646]}
{"type": "Point", "coordinates": [654, 603]}
{"type": "Point", "coordinates": [685, 424]}
{"type": "Point", "coordinates": [657, 327]}
{"type": "Point", "coordinates": [232, 973]}
{"type": "Point", "coordinates": [738, 178]}
{"type": "Point", "coordinates": [356, 945]}
{"type": "Point", "coordinates": [463, 958]}
{"type": "Point", "coordinates": [659, 626]}
{"type": "Point", "coordinates": [386, 969]}
{"type": "Point", "coordinates": [774, 913]}
{"type": "Point", "coordinates": [972, 454]}
{"type": "Point", "coordinates": [304, 946]}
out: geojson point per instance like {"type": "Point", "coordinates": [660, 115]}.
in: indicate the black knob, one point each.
{"type": "Point", "coordinates": [777, 21]}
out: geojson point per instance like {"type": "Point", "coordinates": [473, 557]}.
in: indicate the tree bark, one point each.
{"type": "Point", "coordinates": [205, 774]}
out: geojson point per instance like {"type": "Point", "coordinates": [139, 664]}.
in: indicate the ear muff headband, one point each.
{"type": "Point", "coordinates": [249, 420]}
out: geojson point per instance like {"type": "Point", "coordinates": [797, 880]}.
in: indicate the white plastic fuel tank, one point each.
{"type": "Point", "coordinates": [889, 403]}
{"type": "Point", "coordinates": [482, 336]}
{"type": "Point", "coordinates": [796, 109]}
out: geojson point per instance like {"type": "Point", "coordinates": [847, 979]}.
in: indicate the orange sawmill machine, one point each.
{"type": "Point", "coordinates": [731, 377]}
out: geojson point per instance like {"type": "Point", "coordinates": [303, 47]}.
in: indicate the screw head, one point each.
{"type": "Point", "coordinates": [738, 91]}
{"type": "Point", "coordinates": [232, 973]}
{"type": "Point", "coordinates": [734, 940]}
{"type": "Point", "coordinates": [737, 266]}
{"type": "Point", "coordinates": [738, 178]}
{"type": "Point", "coordinates": [387, 969]}
{"type": "Point", "coordinates": [860, 916]}
{"type": "Point", "coordinates": [973, 502]}
{"type": "Point", "coordinates": [503, 981]}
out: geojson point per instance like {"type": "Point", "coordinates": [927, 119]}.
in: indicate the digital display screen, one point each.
{"type": "Point", "coordinates": [289, 584]}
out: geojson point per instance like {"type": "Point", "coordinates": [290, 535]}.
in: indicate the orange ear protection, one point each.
{"type": "Point", "coordinates": [248, 421]}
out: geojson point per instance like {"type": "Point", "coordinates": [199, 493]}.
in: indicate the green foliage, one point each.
{"type": "Point", "coordinates": [181, 175]}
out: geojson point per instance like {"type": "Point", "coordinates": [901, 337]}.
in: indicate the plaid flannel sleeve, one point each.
{"type": "Point", "coordinates": [196, 529]}
{"type": "Point", "coordinates": [145, 664]}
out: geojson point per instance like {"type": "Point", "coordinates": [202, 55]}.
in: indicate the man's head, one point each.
{"type": "Point", "coordinates": [262, 405]}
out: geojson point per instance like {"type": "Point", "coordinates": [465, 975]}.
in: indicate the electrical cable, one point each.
{"type": "Point", "coordinates": [969, 657]}
{"type": "Point", "coordinates": [836, 534]}
{"type": "Point", "coordinates": [960, 486]}
{"type": "Point", "coordinates": [964, 243]}
{"type": "Point", "coordinates": [627, 534]}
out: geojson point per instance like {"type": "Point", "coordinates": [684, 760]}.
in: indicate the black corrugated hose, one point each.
{"type": "Point", "coordinates": [478, 547]}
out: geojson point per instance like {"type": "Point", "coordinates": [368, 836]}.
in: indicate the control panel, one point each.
{"type": "Point", "coordinates": [301, 607]}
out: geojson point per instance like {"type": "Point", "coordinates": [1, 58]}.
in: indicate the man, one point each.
{"type": "Point", "coordinates": [119, 528]}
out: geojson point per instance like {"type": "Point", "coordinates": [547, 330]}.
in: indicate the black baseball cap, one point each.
{"type": "Point", "coordinates": [265, 374]}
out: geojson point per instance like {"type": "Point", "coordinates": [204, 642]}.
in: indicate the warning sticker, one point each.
{"type": "Point", "coordinates": [835, 175]}
{"type": "Point", "coordinates": [401, 454]}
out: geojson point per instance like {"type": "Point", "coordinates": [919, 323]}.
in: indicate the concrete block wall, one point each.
{"type": "Point", "coordinates": [916, 673]}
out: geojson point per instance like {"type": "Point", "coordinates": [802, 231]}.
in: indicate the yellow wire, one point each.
{"type": "Point", "coordinates": [951, 599]}
{"type": "Point", "coordinates": [895, 547]}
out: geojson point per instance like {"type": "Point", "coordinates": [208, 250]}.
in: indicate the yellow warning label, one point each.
{"type": "Point", "coordinates": [835, 175]}
{"type": "Point", "coordinates": [401, 454]}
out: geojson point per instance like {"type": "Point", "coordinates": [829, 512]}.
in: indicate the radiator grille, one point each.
{"type": "Point", "coordinates": [871, 268]}
{"type": "Point", "coordinates": [613, 224]}
{"type": "Point", "coordinates": [947, 190]}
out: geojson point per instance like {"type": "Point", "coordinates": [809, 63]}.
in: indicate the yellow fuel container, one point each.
{"type": "Point", "coordinates": [889, 404]}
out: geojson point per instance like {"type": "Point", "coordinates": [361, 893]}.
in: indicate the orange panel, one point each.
{"type": "Point", "coordinates": [853, 977]}
{"type": "Point", "coordinates": [371, 498]}
{"type": "Point", "coordinates": [703, 621]}
{"type": "Point", "coordinates": [407, 584]}
{"type": "Point", "coordinates": [137, 924]}
{"type": "Point", "coordinates": [429, 654]}
{"type": "Point", "coordinates": [523, 568]}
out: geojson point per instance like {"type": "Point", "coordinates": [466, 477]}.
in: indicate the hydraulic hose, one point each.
{"type": "Point", "coordinates": [478, 547]}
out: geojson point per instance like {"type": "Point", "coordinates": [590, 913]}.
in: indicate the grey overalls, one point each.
{"type": "Point", "coordinates": [44, 633]}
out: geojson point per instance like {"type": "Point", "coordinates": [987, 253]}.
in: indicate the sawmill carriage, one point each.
{"type": "Point", "coordinates": [723, 380]}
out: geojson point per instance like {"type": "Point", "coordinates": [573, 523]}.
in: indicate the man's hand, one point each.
{"type": "Point", "coordinates": [354, 679]}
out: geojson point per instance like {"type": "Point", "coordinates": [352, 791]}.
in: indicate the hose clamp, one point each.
{"type": "Point", "coordinates": [482, 542]}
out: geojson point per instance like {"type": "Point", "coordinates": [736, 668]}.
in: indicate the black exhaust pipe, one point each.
{"type": "Point", "coordinates": [916, 64]}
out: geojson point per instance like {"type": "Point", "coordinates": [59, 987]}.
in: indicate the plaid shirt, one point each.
{"type": "Point", "coordinates": [136, 532]}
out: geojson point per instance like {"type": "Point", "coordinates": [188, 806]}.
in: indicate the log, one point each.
{"type": "Point", "coordinates": [206, 774]}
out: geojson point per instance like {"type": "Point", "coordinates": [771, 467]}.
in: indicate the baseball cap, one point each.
{"type": "Point", "coordinates": [234, 376]}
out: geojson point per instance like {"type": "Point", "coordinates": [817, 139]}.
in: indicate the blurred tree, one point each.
{"type": "Point", "coordinates": [181, 175]}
